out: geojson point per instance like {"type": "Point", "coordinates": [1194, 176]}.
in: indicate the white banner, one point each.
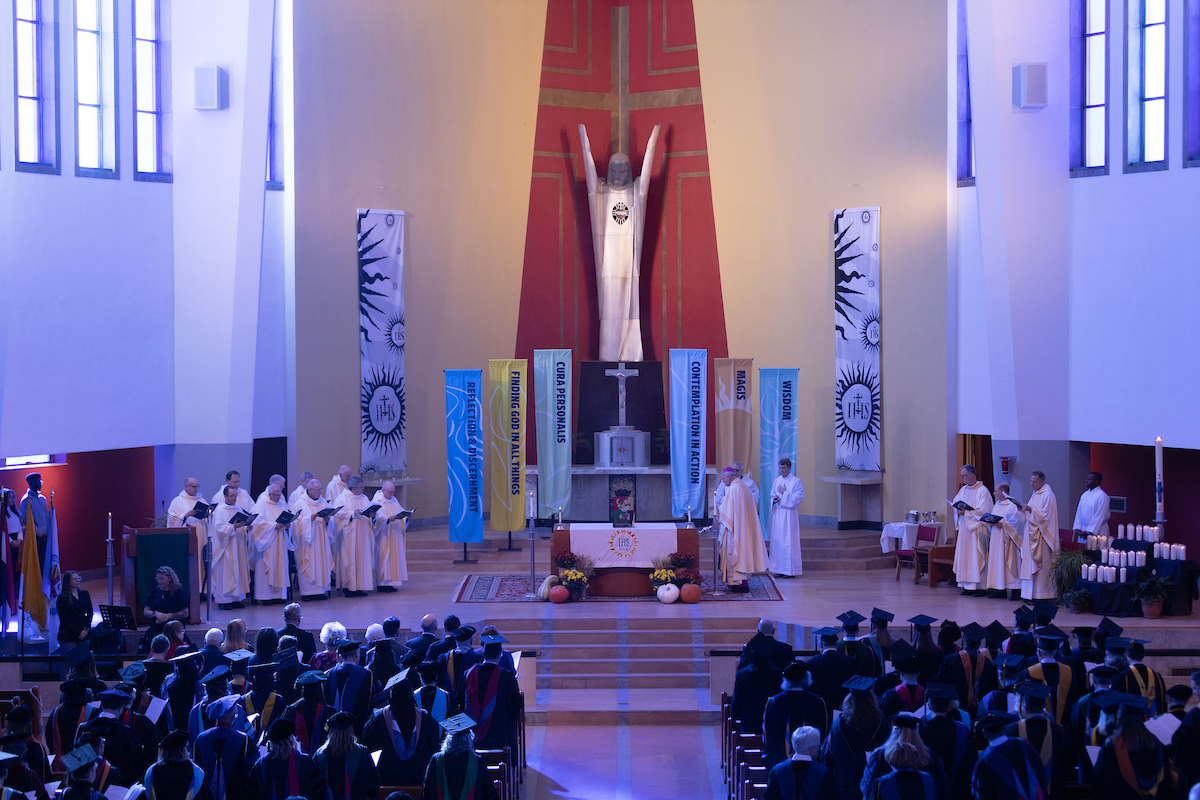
{"type": "Point", "coordinates": [381, 338]}
{"type": "Point", "coordinates": [857, 415]}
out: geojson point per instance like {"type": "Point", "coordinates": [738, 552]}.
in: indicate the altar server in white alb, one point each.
{"type": "Point", "coordinates": [1004, 550]}
{"type": "Point", "coordinates": [354, 542]}
{"type": "Point", "coordinates": [230, 576]}
{"type": "Point", "coordinates": [739, 473]}
{"type": "Point", "coordinates": [743, 552]}
{"type": "Point", "coordinates": [337, 484]}
{"type": "Point", "coordinates": [271, 541]}
{"type": "Point", "coordinates": [182, 513]}
{"type": "Point", "coordinates": [314, 553]}
{"type": "Point", "coordinates": [786, 494]}
{"type": "Point", "coordinates": [1091, 517]}
{"type": "Point", "coordinates": [1040, 546]}
{"type": "Point", "coordinates": [971, 546]}
{"type": "Point", "coordinates": [300, 490]}
{"type": "Point", "coordinates": [391, 565]}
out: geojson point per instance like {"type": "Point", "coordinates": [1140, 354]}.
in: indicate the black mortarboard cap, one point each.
{"type": "Point", "coordinates": [19, 715]}
{"type": "Point", "coordinates": [996, 633]}
{"type": "Point", "coordinates": [859, 683]}
{"type": "Point", "coordinates": [881, 616]}
{"type": "Point", "coordinates": [942, 691]}
{"type": "Point", "coordinates": [75, 686]}
{"type": "Point", "coordinates": [237, 656]}
{"type": "Point", "coordinates": [9, 739]}
{"type": "Point", "coordinates": [995, 720]}
{"type": "Point", "coordinates": [909, 665]}
{"type": "Point", "coordinates": [900, 651]}
{"type": "Point", "coordinates": [1109, 628]}
{"type": "Point", "coordinates": [1083, 631]}
{"type": "Point", "coordinates": [1046, 642]}
{"type": "Point", "coordinates": [339, 720]}
{"type": "Point", "coordinates": [1104, 672]}
{"type": "Point", "coordinates": [222, 706]}
{"type": "Point", "coordinates": [175, 740]}
{"type": "Point", "coordinates": [281, 730]}
{"type": "Point", "coordinates": [1180, 693]}
{"type": "Point", "coordinates": [827, 631]}
{"type": "Point", "coordinates": [850, 619]}
{"type": "Point", "coordinates": [458, 723]}
{"type": "Point", "coordinates": [1116, 645]}
{"type": "Point", "coordinates": [311, 677]}
{"type": "Point", "coordinates": [218, 673]}
{"type": "Point", "coordinates": [347, 647]}
{"type": "Point", "coordinates": [974, 632]}
{"type": "Point", "coordinates": [1034, 689]}
{"type": "Point", "coordinates": [493, 638]}
{"type": "Point", "coordinates": [131, 672]}
{"type": "Point", "coordinates": [429, 670]}
{"type": "Point", "coordinates": [1009, 661]}
{"type": "Point", "coordinates": [79, 758]}
{"type": "Point", "coordinates": [1109, 700]}
{"type": "Point", "coordinates": [922, 620]}
{"type": "Point", "coordinates": [1023, 614]}
{"type": "Point", "coordinates": [464, 633]}
{"type": "Point", "coordinates": [795, 671]}
{"type": "Point", "coordinates": [903, 720]}
{"type": "Point", "coordinates": [1044, 609]}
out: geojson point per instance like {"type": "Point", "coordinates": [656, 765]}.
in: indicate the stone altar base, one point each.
{"type": "Point", "coordinates": [590, 492]}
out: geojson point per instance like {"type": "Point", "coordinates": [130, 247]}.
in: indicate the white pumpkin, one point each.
{"type": "Point", "coordinates": [668, 593]}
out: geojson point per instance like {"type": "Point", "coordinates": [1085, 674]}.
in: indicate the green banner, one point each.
{"type": "Point", "coordinates": [552, 411]}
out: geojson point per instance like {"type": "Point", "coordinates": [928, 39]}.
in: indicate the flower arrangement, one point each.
{"type": "Point", "coordinates": [661, 577]}
{"type": "Point", "coordinates": [686, 575]}
{"type": "Point", "coordinates": [685, 560]}
{"type": "Point", "coordinates": [573, 579]}
{"type": "Point", "coordinates": [565, 559]}
{"type": "Point", "coordinates": [585, 564]}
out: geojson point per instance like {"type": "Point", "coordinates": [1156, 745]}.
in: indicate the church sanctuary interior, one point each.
{"type": "Point", "coordinates": [660, 513]}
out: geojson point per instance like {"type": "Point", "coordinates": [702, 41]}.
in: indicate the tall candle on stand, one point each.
{"type": "Point", "coordinates": [1158, 479]}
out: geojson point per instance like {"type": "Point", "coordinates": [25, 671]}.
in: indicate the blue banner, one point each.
{"type": "Point", "coordinates": [552, 410]}
{"type": "Point", "coordinates": [689, 431]}
{"type": "Point", "coordinates": [776, 431]}
{"type": "Point", "coordinates": [464, 453]}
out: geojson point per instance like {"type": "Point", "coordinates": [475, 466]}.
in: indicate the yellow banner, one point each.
{"type": "Point", "coordinates": [733, 406]}
{"type": "Point", "coordinates": [507, 415]}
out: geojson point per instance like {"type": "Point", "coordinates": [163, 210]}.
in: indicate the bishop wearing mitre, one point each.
{"type": "Point", "coordinates": [1004, 547]}
{"type": "Point", "coordinates": [391, 566]}
{"type": "Point", "coordinates": [971, 546]}
{"type": "Point", "coordinates": [355, 540]}
{"type": "Point", "coordinates": [743, 552]}
{"type": "Point", "coordinates": [230, 574]}
{"type": "Point", "coordinates": [271, 540]}
{"type": "Point", "coordinates": [314, 556]}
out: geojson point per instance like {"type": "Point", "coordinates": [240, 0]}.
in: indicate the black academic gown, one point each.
{"type": "Point", "coordinates": [1187, 750]}
{"type": "Point", "coordinates": [1140, 680]}
{"type": "Point", "coordinates": [863, 653]}
{"type": "Point", "coordinates": [953, 743]}
{"type": "Point", "coordinates": [786, 712]}
{"type": "Point", "coordinates": [909, 783]}
{"type": "Point", "coordinates": [752, 687]}
{"type": "Point", "coordinates": [269, 778]}
{"type": "Point", "coordinates": [404, 765]}
{"type": "Point", "coordinates": [827, 672]}
{"type": "Point", "coordinates": [1004, 767]}
{"type": "Point", "coordinates": [1058, 748]}
{"type": "Point", "coordinates": [121, 746]}
{"type": "Point", "coordinates": [454, 767]}
{"type": "Point", "coordinates": [350, 688]}
{"type": "Point", "coordinates": [973, 675]}
{"type": "Point", "coordinates": [495, 730]}
{"type": "Point", "coordinates": [845, 752]}
{"type": "Point", "coordinates": [1020, 644]}
{"type": "Point", "coordinates": [790, 779]}
{"type": "Point", "coordinates": [226, 756]}
{"type": "Point", "coordinates": [455, 665]}
{"type": "Point", "coordinates": [172, 780]}
{"type": "Point", "coordinates": [780, 654]}
{"type": "Point", "coordinates": [1059, 677]}
{"type": "Point", "coordinates": [997, 700]}
{"type": "Point", "coordinates": [64, 721]}
{"type": "Point", "coordinates": [80, 790]}
{"type": "Point", "coordinates": [905, 697]}
{"type": "Point", "coordinates": [930, 661]}
{"type": "Point", "coordinates": [1148, 765]}
{"type": "Point", "coordinates": [309, 719]}
{"type": "Point", "coordinates": [349, 777]}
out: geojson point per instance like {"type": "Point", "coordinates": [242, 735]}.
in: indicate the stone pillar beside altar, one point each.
{"type": "Point", "coordinates": [860, 499]}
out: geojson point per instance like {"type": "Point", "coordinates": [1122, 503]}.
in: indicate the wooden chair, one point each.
{"type": "Point", "coordinates": [941, 565]}
{"type": "Point", "coordinates": [502, 759]}
{"type": "Point", "coordinates": [749, 774]}
{"type": "Point", "coordinates": [739, 740]}
{"type": "Point", "coordinates": [726, 726]}
{"type": "Point", "coordinates": [742, 759]}
{"type": "Point", "coordinates": [925, 533]}
{"type": "Point", "coordinates": [413, 791]}
{"type": "Point", "coordinates": [499, 781]}
{"type": "Point", "coordinates": [754, 791]}
{"type": "Point", "coordinates": [499, 787]}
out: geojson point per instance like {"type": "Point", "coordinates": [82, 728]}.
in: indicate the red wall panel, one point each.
{"type": "Point", "coordinates": [1128, 472]}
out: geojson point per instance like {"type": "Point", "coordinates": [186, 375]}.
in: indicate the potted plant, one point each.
{"type": "Point", "coordinates": [576, 583]}
{"type": "Point", "coordinates": [1068, 568]}
{"type": "Point", "coordinates": [1153, 592]}
{"type": "Point", "coordinates": [1079, 601]}
{"type": "Point", "coordinates": [565, 560]}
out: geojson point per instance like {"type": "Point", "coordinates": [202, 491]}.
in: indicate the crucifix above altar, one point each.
{"type": "Point", "coordinates": [622, 445]}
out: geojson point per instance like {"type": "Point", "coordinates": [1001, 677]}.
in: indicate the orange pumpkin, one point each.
{"type": "Point", "coordinates": [559, 594]}
{"type": "Point", "coordinates": [689, 593]}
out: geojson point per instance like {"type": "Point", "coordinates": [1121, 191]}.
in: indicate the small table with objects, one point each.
{"type": "Point", "coordinates": [903, 535]}
{"type": "Point", "coordinates": [1116, 599]}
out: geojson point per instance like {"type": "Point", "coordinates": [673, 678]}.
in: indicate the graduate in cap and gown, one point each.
{"type": "Point", "coordinates": [431, 698]}
{"type": "Point", "coordinates": [829, 670]}
{"type": "Point", "coordinates": [406, 734]}
{"type": "Point", "coordinates": [909, 694]}
{"type": "Point", "coordinates": [183, 689]}
{"type": "Point", "coordinates": [929, 654]}
{"type": "Point", "coordinates": [489, 695]}
{"type": "Point", "coordinates": [1008, 768]}
{"type": "Point", "coordinates": [456, 662]}
{"type": "Point", "coordinates": [971, 670]}
{"type": "Point", "coordinates": [80, 766]}
{"type": "Point", "coordinates": [346, 765]}
{"type": "Point", "coordinates": [858, 649]}
{"type": "Point", "coordinates": [455, 771]}
{"type": "Point", "coordinates": [1132, 763]}
{"type": "Point", "coordinates": [1083, 726]}
{"type": "Point", "coordinates": [8, 760]}
{"type": "Point", "coordinates": [349, 687]}
{"type": "Point", "coordinates": [801, 776]}
{"type": "Point", "coordinates": [1044, 735]}
{"type": "Point", "coordinates": [225, 753]}
{"type": "Point", "coordinates": [285, 771]}
{"type": "Point", "coordinates": [903, 767]}
{"type": "Point", "coordinates": [1065, 687]}
{"type": "Point", "coordinates": [1008, 666]}
{"type": "Point", "coordinates": [1139, 679]}
{"type": "Point", "coordinates": [174, 776]}
{"type": "Point", "coordinates": [880, 638]}
{"type": "Point", "coordinates": [19, 720]}
{"type": "Point", "coordinates": [950, 739]}
{"type": "Point", "coordinates": [106, 774]}
{"type": "Point", "coordinates": [19, 776]}
{"type": "Point", "coordinates": [753, 686]}
{"type": "Point", "coordinates": [68, 715]}
{"type": "Point", "coordinates": [1022, 642]}
{"type": "Point", "coordinates": [794, 707]}
{"type": "Point", "coordinates": [262, 699]}
{"type": "Point", "coordinates": [859, 729]}
{"type": "Point", "coordinates": [216, 686]}
{"type": "Point", "coordinates": [310, 713]}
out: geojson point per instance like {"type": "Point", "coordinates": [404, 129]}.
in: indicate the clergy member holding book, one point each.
{"type": "Point", "coordinates": [1039, 548]}
{"type": "Point", "coordinates": [272, 540]}
{"type": "Point", "coordinates": [1007, 522]}
{"type": "Point", "coordinates": [354, 542]}
{"type": "Point", "coordinates": [391, 523]}
{"type": "Point", "coordinates": [230, 575]}
{"type": "Point", "coordinates": [314, 555]}
{"type": "Point", "coordinates": [188, 509]}
{"type": "Point", "coordinates": [971, 547]}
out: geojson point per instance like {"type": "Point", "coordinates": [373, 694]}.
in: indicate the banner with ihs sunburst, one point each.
{"type": "Point", "coordinates": [857, 406]}
{"type": "Point", "coordinates": [381, 339]}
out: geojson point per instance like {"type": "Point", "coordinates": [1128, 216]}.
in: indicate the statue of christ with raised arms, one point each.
{"type": "Point", "coordinates": [618, 209]}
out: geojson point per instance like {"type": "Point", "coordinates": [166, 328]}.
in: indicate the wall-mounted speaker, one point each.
{"type": "Point", "coordinates": [1030, 85]}
{"type": "Point", "coordinates": [212, 88]}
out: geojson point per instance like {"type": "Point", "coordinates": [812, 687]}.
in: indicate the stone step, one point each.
{"type": "Point", "coordinates": [595, 680]}
{"type": "Point", "coordinates": [839, 565]}
{"type": "Point", "coordinates": [610, 717]}
{"type": "Point", "coordinates": [606, 651]}
{"type": "Point", "coordinates": [609, 638]}
{"type": "Point", "coordinates": [609, 666]}
{"type": "Point", "coordinates": [683, 622]}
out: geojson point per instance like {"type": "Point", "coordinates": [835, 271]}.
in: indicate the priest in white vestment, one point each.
{"type": "Point", "coordinates": [740, 474]}
{"type": "Point", "coordinates": [743, 552]}
{"type": "Point", "coordinates": [1040, 545]}
{"type": "Point", "coordinates": [271, 542]}
{"type": "Point", "coordinates": [786, 494]}
{"type": "Point", "coordinates": [300, 490]}
{"type": "Point", "coordinates": [1004, 547]}
{"type": "Point", "coordinates": [1091, 516]}
{"type": "Point", "coordinates": [275, 480]}
{"type": "Point", "coordinates": [230, 576]}
{"type": "Point", "coordinates": [971, 543]}
{"type": "Point", "coordinates": [182, 513]}
{"type": "Point", "coordinates": [314, 554]}
{"type": "Point", "coordinates": [354, 541]}
{"type": "Point", "coordinates": [337, 484]}
{"type": "Point", "coordinates": [391, 565]}
{"type": "Point", "coordinates": [244, 501]}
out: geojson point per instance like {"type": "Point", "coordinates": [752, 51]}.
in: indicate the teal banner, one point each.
{"type": "Point", "coordinates": [689, 431]}
{"type": "Point", "coordinates": [776, 431]}
{"type": "Point", "coordinates": [464, 453]}
{"type": "Point", "coordinates": [552, 411]}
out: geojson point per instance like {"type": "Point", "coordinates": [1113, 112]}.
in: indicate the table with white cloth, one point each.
{"type": "Point", "coordinates": [624, 556]}
{"type": "Point", "coordinates": [904, 534]}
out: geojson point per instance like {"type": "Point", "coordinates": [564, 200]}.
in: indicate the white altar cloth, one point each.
{"type": "Point", "coordinates": [611, 547]}
{"type": "Point", "coordinates": [903, 535]}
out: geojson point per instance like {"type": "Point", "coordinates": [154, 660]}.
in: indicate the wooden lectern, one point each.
{"type": "Point", "coordinates": [185, 567]}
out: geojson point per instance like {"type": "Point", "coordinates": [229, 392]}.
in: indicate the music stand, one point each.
{"type": "Point", "coordinates": [118, 618]}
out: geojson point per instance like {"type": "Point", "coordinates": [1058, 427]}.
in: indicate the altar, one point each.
{"type": "Point", "coordinates": [630, 552]}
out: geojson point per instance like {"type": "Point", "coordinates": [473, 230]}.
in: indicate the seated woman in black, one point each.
{"type": "Point", "coordinates": [74, 611]}
{"type": "Point", "coordinates": [165, 603]}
